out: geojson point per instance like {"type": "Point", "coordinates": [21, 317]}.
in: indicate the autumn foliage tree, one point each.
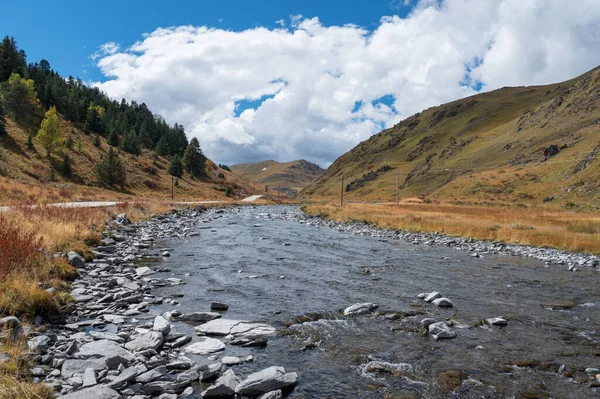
{"type": "Point", "coordinates": [50, 134]}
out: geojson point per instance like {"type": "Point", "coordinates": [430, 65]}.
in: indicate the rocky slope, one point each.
{"type": "Point", "coordinates": [292, 176]}
{"type": "Point", "coordinates": [529, 145]}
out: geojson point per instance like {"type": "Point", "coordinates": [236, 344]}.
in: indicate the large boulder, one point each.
{"type": "Point", "coordinates": [95, 392]}
{"type": "Point", "coordinates": [360, 308]}
{"type": "Point", "coordinates": [161, 325]}
{"type": "Point", "coordinates": [41, 343]}
{"type": "Point", "coordinates": [79, 366]}
{"type": "Point", "coordinates": [149, 340]}
{"type": "Point", "coordinates": [267, 380]}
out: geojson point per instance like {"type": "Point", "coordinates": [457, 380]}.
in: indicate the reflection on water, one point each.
{"type": "Point", "coordinates": [304, 274]}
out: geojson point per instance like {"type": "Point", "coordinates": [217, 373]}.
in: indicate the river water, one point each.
{"type": "Point", "coordinates": [276, 271]}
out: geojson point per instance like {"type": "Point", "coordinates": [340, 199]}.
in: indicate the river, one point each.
{"type": "Point", "coordinates": [281, 272]}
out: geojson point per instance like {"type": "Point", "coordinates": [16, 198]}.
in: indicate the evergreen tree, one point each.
{"type": "Point", "coordinates": [50, 134]}
{"type": "Point", "coordinates": [113, 138]}
{"type": "Point", "coordinates": [12, 60]}
{"type": "Point", "coordinates": [96, 140]}
{"type": "Point", "coordinates": [69, 142]}
{"type": "Point", "coordinates": [30, 142]}
{"type": "Point", "coordinates": [79, 144]}
{"type": "Point", "coordinates": [2, 120]}
{"type": "Point", "coordinates": [131, 143]}
{"type": "Point", "coordinates": [110, 170]}
{"type": "Point", "coordinates": [194, 160]}
{"type": "Point", "coordinates": [65, 166]}
{"type": "Point", "coordinates": [162, 148]}
{"type": "Point", "coordinates": [175, 167]}
{"type": "Point", "coordinates": [92, 120]}
{"type": "Point", "coordinates": [19, 98]}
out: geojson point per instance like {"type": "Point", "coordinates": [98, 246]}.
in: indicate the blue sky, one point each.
{"type": "Point", "coordinates": [68, 32]}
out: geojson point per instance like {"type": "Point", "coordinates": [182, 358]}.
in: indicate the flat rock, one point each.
{"type": "Point", "coordinates": [272, 395]}
{"type": "Point", "coordinates": [149, 340]}
{"type": "Point", "coordinates": [79, 366]}
{"type": "Point", "coordinates": [199, 317]}
{"type": "Point", "coordinates": [267, 380]}
{"type": "Point", "coordinates": [95, 392]}
{"type": "Point", "coordinates": [105, 348]}
{"type": "Point", "coordinates": [497, 321]}
{"type": "Point", "coordinates": [100, 335]}
{"type": "Point", "coordinates": [360, 308]}
{"type": "Point", "coordinates": [205, 346]}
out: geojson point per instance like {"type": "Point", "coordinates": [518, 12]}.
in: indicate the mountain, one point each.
{"type": "Point", "coordinates": [293, 175]}
{"type": "Point", "coordinates": [524, 145]}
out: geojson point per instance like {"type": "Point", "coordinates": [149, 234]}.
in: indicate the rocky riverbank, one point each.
{"type": "Point", "coordinates": [571, 261]}
{"type": "Point", "coordinates": [111, 347]}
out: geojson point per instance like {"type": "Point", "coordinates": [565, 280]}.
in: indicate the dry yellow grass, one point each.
{"type": "Point", "coordinates": [578, 232]}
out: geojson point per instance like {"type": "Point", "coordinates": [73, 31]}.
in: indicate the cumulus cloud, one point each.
{"type": "Point", "coordinates": [313, 91]}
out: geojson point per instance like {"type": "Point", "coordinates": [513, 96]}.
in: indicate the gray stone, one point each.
{"type": "Point", "coordinates": [219, 306]}
{"type": "Point", "coordinates": [432, 295]}
{"type": "Point", "coordinates": [199, 317]}
{"type": "Point", "coordinates": [360, 308]}
{"type": "Point", "coordinates": [79, 366]}
{"type": "Point", "coordinates": [9, 322]}
{"type": "Point", "coordinates": [100, 335]}
{"type": "Point", "coordinates": [205, 346]}
{"type": "Point", "coordinates": [497, 321]}
{"type": "Point", "coordinates": [40, 343]}
{"type": "Point", "coordinates": [127, 375]}
{"type": "Point", "coordinates": [95, 392]}
{"type": "Point", "coordinates": [75, 259]}
{"type": "Point", "coordinates": [272, 395]}
{"type": "Point", "coordinates": [161, 325]}
{"type": "Point", "coordinates": [267, 380]}
{"type": "Point", "coordinates": [89, 377]}
{"type": "Point", "coordinates": [151, 375]}
{"type": "Point", "coordinates": [105, 348]}
{"type": "Point", "coordinates": [224, 387]}
{"type": "Point", "coordinates": [149, 340]}
{"type": "Point", "coordinates": [233, 360]}
{"type": "Point", "coordinates": [442, 302]}
{"type": "Point", "coordinates": [209, 371]}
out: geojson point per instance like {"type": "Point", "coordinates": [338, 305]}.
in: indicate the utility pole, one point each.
{"type": "Point", "coordinates": [172, 188]}
{"type": "Point", "coordinates": [397, 191]}
{"type": "Point", "coordinates": [342, 198]}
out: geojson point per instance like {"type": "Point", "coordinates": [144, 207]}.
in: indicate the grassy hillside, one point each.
{"type": "Point", "coordinates": [294, 175]}
{"type": "Point", "coordinates": [527, 145]}
{"type": "Point", "coordinates": [28, 175]}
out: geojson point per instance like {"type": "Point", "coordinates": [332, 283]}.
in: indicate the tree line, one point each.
{"type": "Point", "coordinates": [33, 92]}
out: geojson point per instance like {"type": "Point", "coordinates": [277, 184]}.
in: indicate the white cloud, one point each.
{"type": "Point", "coordinates": [315, 75]}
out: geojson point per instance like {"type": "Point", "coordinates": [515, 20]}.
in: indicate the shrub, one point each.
{"type": "Point", "coordinates": [18, 249]}
{"type": "Point", "coordinates": [228, 191]}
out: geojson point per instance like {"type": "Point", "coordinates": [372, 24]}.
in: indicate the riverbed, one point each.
{"type": "Point", "coordinates": [299, 277]}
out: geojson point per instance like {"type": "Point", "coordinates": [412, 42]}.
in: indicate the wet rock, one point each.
{"type": "Point", "coordinates": [233, 360]}
{"type": "Point", "coordinates": [398, 369]}
{"type": "Point", "coordinates": [166, 254]}
{"type": "Point", "coordinates": [199, 317]}
{"type": "Point", "coordinates": [497, 321]}
{"type": "Point", "coordinates": [360, 308]}
{"type": "Point", "coordinates": [235, 328]}
{"type": "Point", "coordinates": [427, 322]}
{"type": "Point", "coordinates": [95, 392]}
{"type": "Point", "coordinates": [432, 296]}
{"type": "Point", "coordinates": [144, 271]}
{"type": "Point", "coordinates": [442, 302]}
{"type": "Point", "coordinates": [267, 380]}
{"type": "Point", "coordinates": [272, 395]}
{"type": "Point", "coordinates": [205, 346]}
{"type": "Point", "coordinates": [220, 306]}
{"type": "Point", "coordinates": [441, 330]}
{"type": "Point", "coordinates": [207, 372]}
{"type": "Point", "coordinates": [149, 340]}
{"type": "Point", "coordinates": [450, 380]}
{"type": "Point", "coordinates": [224, 387]}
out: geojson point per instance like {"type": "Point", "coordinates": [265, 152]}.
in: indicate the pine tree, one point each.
{"type": "Point", "coordinates": [2, 120]}
{"type": "Point", "coordinates": [110, 170]}
{"type": "Point", "coordinates": [65, 166]}
{"type": "Point", "coordinates": [175, 167]}
{"type": "Point", "coordinates": [20, 98]}
{"type": "Point", "coordinates": [69, 142]}
{"type": "Point", "coordinates": [96, 141]}
{"type": "Point", "coordinates": [194, 160]}
{"type": "Point", "coordinates": [162, 147]}
{"type": "Point", "coordinates": [30, 142]}
{"type": "Point", "coordinates": [113, 138]}
{"type": "Point", "coordinates": [50, 134]}
{"type": "Point", "coordinates": [79, 144]}
{"type": "Point", "coordinates": [130, 143]}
